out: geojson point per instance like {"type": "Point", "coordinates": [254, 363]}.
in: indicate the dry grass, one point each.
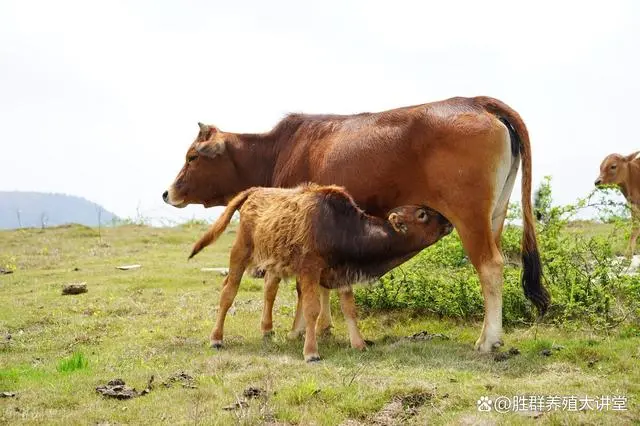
{"type": "Point", "coordinates": [156, 321]}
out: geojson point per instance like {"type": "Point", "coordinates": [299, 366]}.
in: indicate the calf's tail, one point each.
{"type": "Point", "coordinates": [221, 224]}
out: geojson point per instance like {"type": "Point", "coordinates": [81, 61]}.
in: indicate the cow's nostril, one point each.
{"type": "Point", "coordinates": [165, 196]}
{"type": "Point", "coordinates": [598, 182]}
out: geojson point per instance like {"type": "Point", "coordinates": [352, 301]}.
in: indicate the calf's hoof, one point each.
{"type": "Point", "coordinates": [216, 344]}
{"type": "Point", "coordinates": [312, 358]}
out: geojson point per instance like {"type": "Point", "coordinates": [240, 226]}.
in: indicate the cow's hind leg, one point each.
{"type": "Point", "coordinates": [479, 243]}
{"type": "Point", "coordinates": [238, 261]}
{"type": "Point", "coordinates": [271, 284]}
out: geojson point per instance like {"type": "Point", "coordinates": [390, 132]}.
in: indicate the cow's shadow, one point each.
{"type": "Point", "coordinates": [436, 353]}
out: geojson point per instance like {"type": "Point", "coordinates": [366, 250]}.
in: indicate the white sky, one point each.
{"type": "Point", "coordinates": [101, 99]}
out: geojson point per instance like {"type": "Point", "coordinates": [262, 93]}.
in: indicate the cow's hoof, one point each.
{"type": "Point", "coordinates": [312, 359]}
{"type": "Point", "coordinates": [216, 344]}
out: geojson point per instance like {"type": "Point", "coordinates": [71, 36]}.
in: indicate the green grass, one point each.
{"type": "Point", "coordinates": [77, 361]}
{"type": "Point", "coordinates": [156, 321]}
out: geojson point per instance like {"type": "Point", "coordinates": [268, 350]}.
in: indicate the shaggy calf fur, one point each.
{"type": "Point", "coordinates": [319, 235]}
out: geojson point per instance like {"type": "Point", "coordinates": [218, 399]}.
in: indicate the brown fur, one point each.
{"type": "Point", "coordinates": [624, 171]}
{"type": "Point", "coordinates": [318, 234]}
{"type": "Point", "coordinates": [453, 155]}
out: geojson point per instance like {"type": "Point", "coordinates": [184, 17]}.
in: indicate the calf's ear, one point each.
{"type": "Point", "coordinates": [211, 149]}
{"type": "Point", "coordinates": [396, 223]}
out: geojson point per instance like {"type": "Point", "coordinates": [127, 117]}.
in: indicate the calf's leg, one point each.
{"type": "Point", "coordinates": [270, 290]}
{"type": "Point", "coordinates": [348, 306]}
{"type": "Point", "coordinates": [238, 261]}
{"type": "Point", "coordinates": [309, 287]}
{"type": "Point", "coordinates": [324, 323]}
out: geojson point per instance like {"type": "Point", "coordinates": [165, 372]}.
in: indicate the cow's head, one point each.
{"type": "Point", "coordinates": [208, 176]}
{"type": "Point", "coordinates": [613, 170]}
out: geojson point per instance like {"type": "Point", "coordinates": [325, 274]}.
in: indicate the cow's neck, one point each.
{"type": "Point", "coordinates": [253, 156]}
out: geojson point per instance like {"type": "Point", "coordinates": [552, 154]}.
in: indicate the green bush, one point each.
{"type": "Point", "coordinates": [581, 270]}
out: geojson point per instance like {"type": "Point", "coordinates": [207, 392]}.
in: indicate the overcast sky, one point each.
{"type": "Point", "coordinates": [101, 99]}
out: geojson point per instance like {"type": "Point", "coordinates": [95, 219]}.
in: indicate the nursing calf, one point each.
{"type": "Point", "coordinates": [319, 235]}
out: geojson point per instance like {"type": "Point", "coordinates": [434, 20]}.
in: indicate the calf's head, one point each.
{"type": "Point", "coordinates": [420, 222]}
{"type": "Point", "coordinates": [208, 176]}
{"type": "Point", "coordinates": [613, 170]}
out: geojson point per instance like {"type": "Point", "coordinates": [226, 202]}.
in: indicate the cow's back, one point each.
{"type": "Point", "coordinates": [395, 157]}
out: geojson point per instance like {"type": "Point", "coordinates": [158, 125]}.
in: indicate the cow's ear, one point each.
{"type": "Point", "coordinates": [396, 223]}
{"type": "Point", "coordinates": [211, 149]}
{"type": "Point", "coordinates": [206, 131]}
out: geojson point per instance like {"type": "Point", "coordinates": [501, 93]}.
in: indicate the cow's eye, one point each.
{"type": "Point", "coordinates": [191, 158]}
{"type": "Point", "coordinates": [613, 166]}
{"type": "Point", "coordinates": [422, 215]}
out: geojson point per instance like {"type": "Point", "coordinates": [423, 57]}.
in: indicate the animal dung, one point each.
{"type": "Point", "coordinates": [119, 390]}
{"type": "Point", "coordinates": [128, 267]}
{"type": "Point", "coordinates": [77, 288]}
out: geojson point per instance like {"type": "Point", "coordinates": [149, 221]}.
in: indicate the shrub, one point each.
{"type": "Point", "coordinates": [581, 270]}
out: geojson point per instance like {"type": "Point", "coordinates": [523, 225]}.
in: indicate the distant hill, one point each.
{"type": "Point", "coordinates": [32, 209]}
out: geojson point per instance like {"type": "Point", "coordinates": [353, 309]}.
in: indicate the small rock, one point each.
{"type": "Point", "coordinates": [75, 288]}
{"type": "Point", "coordinates": [546, 352]}
{"type": "Point", "coordinates": [514, 351]}
{"type": "Point", "coordinates": [557, 347]}
{"type": "Point", "coordinates": [128, 267]}
{"type": "Point", "coordinates": [221, 271]}
{"type": "Point", "coordinates": [592, 362]}
{"type": "Point", "coordinates": [7, 394]}
{"type": "Point", "coordinates": [4, 271]}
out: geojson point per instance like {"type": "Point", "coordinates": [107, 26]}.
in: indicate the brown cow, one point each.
{"type": "Point", "coordinates": [624, 171]}
{"type": "Point", "coordinates": [460, 156]}
{"type": "Point", "coordinates": [318, 234]}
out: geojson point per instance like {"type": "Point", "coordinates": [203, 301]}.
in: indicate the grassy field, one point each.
{"type": "Point", "coordinates": [155, 321]}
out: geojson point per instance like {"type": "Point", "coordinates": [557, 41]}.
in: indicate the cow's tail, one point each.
{"type": "Point", "coordinates": [223, 221]}
{"type": "Point", "coordinates": [531, 266]}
